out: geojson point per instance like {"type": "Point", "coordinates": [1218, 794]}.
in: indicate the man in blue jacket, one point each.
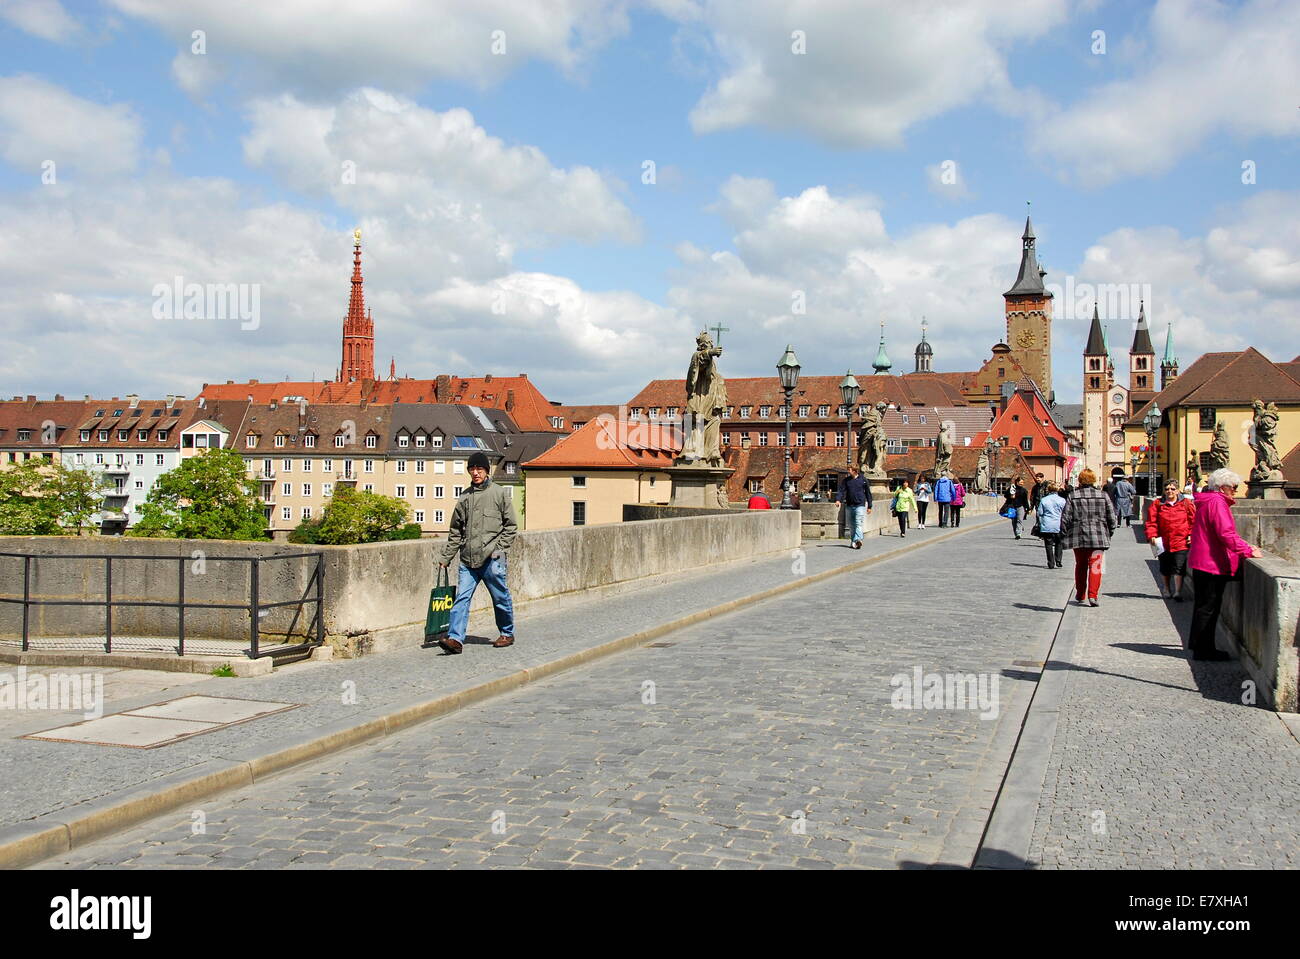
{"type": "Point", "coordinates": [855, 494]}
{"type": "Point", "coordinates": [944, 493]}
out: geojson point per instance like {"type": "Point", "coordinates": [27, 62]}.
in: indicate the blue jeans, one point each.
{"type": "Point", "coordinates": [857, 519]}
{"type": "Point", "coordinates": [493, 574]}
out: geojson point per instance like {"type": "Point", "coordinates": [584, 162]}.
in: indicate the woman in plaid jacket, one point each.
{"type": "Point", "coordinates": [1087, 522]}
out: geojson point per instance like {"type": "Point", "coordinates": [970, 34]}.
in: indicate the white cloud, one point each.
{"type": "Point", "coordinates": [1211, 70]}
{"type": "Point", "coordinates": [871, 69]}
{"type": "Point", "coordinates": [946, 180]}
{"type": "Point", "coordinates": [322, 47]}
{"type": "Point", "coordinates": [41, 18]}
{"type": "Point", "coordinates": [41, 121]}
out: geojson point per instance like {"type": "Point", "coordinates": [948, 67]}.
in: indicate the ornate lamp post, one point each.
{"type": "Point", "coordinates": [788, 369]}
{"type": "Point", "coordinates": [849, 391]}
{"type": "Point", "coordinates": [1152, 423]}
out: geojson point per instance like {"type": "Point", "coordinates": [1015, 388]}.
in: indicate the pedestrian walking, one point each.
{"type": "Point", "coordinates": [1169, 526]}
{"type": "Point", "coordinates": [1048, 513]}
{"type": "Point", "coordinates": [483, 528]}
{"type": "Point", "coordinates": [1125, 493]}
{"type": "Point", "coordinates": [944, 490]}
{"type": "Point", "coordinates": [855, 494]}
{"type": "Point", "coordinates": [1087, 524]}
{"type": "Point", "coordinates": [904, 502]}
{"type": "Point", "coordinates": [1015, 506]}
{"type": "Point", "coordinates": [923, 492]}
{"type": "Point", "coordinates": [958, 501]}
{"type": "Point", "coordinates": [1215, 557]}
{"type": "Point", "coordinates": [1038, 492]}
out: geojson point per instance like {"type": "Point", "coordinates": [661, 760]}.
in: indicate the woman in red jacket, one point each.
{"type": "Point", "coordinates": [1171, 519]}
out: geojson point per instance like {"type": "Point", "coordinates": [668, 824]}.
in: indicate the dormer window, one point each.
{"type": "Point", "coordinates": [371, 441]}
{"type": "Point", "coordinates": [403, 441]}
{"type": "Point", "coordinates": [251, 440]}
{"type": "Point", "coordinates": [340, 439]}
{"type": "Point", "coordinates": [279, 439]}
{"type": "Point", "coordinates": [421, 441]}
{"type": "Point", "coordinates": [309, 440]}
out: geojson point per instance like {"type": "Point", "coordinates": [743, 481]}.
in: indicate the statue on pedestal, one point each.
{"type": "Point", "coordinates": [1194, 468]}
{"type": "Point", "coordinates": [871, 442]}
{"type": "Point", "coordinates": [706, 401]}
{"type": "Point", "coordinates": [984, 469]}
{"type": "Point", "coordinates": [943, 449]}
{"type": "Point", "coordinates": [1268, 465]}
{"type": "Point", "coordinates": [1220, 452]}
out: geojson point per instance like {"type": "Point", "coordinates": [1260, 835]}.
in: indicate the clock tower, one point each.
{"type": "Point", "coordinates": [1029, 315]}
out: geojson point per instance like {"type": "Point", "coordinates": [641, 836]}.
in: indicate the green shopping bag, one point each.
{"type": "Point", "coordinates": [441, 598]}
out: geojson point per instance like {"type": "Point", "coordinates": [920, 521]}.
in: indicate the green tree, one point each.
{"type": "Point", "coordinates": [209, 496]}
{"type": "Point", "coordinates": [27, 507]}
{"type": "Point", "coordinates": [77, 494]}
{"type": "Point", "coordinates": [353, 516]}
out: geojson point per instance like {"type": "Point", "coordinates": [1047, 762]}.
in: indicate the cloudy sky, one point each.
{"type": "Point", "coordinates": [572, 187]}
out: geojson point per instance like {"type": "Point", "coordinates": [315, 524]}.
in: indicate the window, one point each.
{"type": "Point", "coordinates": [139, 484]}
{"type": "Point", "coordinates": [250, 440]}
{"type": "Point", "coordinates": [744, 437]}
{"type": "Point", "coordinates": [672, 412]}
{"type": "Point", "coordinates": [1002, 371]}
{"type": "Point", "coordinates": [279, 440]}
{"type": "Point", "coordinates": [580, 482]}
{"type": "Point", "coordinates": [327, 490]}
{"type": "Point", "coordinates": [1142, 382]}
{"type": "Point", "coordinates": [1094, 365]}
{"type": "Point", "coordinates": [142, 435]}
{"type": "Point", "coordinates": [1094, 383]}
{"type": "Point", "coordinates": [80, 457]}
{"type": "Point", "coordinates": [306, 512]}
{"type": "Point", "coordinates": [437, 516]}
{"type": "Point", "coordinates": [728, 414]}
{"type": "Point", "coordinates": [401, 466]}
{"type": "Point", "coordinates": [99, 459]}
{"type": "Point", "coordinates": [1118, 399]}
{"type": "Point", "coordinates": [371, 441]}
{"type": "Point", "coordinates": [803, 410]}
{"type": "Point", "coordinates": [839, 438]}
{"type": "Point", "coordinates": [286, 513]}
{"type": "Point", "coordinates": [419, 492]}
{"type": "Point", "coordinates": [457, 490]}
{"type": "Point", "coordinates": [1208, 416]}
{"type": "Point", "coordinates": [781, 411]}
{"type": "Point", "coordinates": [923, 419]}
{"type": "Point", "coordinates": [306, 489]}
{"type": "Point", "coordinates": [726, 439]}
{"type": "Point", "coordinates": [401, 492]}
{"type": "Point", "coordinates": [158, 459]}
{"type": "Point", "coordinates": [103, 436]}
{"type": "Point", "coordinates": [1116, 419]}
{"type": "Point", "coordinates": [824, 410]}
{"type": "Point", "coordinates": [419, 516]}
{"type": "Point", "coordinates": [123, 435]}
{"type": "Point", "coordinates": [756, 485]}
{"type": "Point", "coordinates": [1027, 443]}
{"type": "Point", "coordinates": [905, 419]}
{"type": "Point", "coordinates": [800, 438]}
{"type": "Point", "coordinates": [458, 466]}
{"type": "Point", "coordinates": [821, 439]}
{"type": "Point", "coordinates": [762, 439]}
{"type": "Point", "coordinates": [1117, 438]}
{"type": "Point", "coordinates": [309, 440]}
{"type": "Point", "coordinates": [403, 441]}
{"type": "Point", "coordinates": [286, 466]}
{"type": "Point", "coordinates": [139, 459]}
{"type": "Point", "coordinates": [436, 441]}
{"type": "Point", "coordinates": [85, 436]}
{"type": "Point", "coordinates": [1141, 362]}
{"type": "Point", "coordinates": [780, 439]}
{"type": "Point", "coordinates": [635, 412]}
{"type": "Point", "coordinates": [439, 492]}
{"type": "Point", "coordinates": [339, 439]}
{"type": "Point", "coordinates": [369, 487]}
{"type": "Point", "coordinates": [440, 466]}
{"type": "Point", "coordinates": [369, 466]}
{"type": "Point", "coordinates": [579, 514]}
{"type": "Point", "coordinates": [745, 411]}
{"type": "Point", "coordinates": [1015, 417]}
{"type": "Point", "coordinates": [306, 466]}
{"type": "Point", "coordinates": [986, 388]}
{"type": "Point", "coordinates": [287, 489]}
{"type": "Point", "coordinates": [327, 466]}
{"type": "Point", "coordinates": [511, 468]}
{"type": "Point", "coordinates": [421, 441]}
{"type": "Point", "coordinates": [654, 412]}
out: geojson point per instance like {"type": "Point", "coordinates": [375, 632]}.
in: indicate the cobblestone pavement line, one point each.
{"type": "Point", "coordinates": [770, 742]}
{"type": "Point", "coordinates": [349, 692]}
{"type": "Point", "coordinates": [1157, 763]}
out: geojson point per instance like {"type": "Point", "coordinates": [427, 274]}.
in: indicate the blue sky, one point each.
{"type": "Point", "coordinates": [776, 171]}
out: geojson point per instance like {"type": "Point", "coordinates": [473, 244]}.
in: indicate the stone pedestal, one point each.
{"type": "Point", "coordinates": [1272, 488]}
{"type": "Point", "coordinates": [880, 494]}
{"type": "Point", "coordinates": [700, 486]}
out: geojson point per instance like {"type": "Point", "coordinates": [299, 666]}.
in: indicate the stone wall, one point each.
{"type": "Point", "coordinates": [1260, 616]}
{"type": "Point", "coordinates": [376, 594]}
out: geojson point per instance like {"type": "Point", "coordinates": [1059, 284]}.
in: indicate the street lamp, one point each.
{"type": "Point", "coordinates": [849, 391]}
{"type": "Point", "coordinates": [1152, 422]}
{"type": "Point", "coordinates": [788, 369]}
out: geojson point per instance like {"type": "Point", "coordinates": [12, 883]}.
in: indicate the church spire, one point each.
{"type": "Point", "coordinates": [882, 364]}
{"type": "Point", "coordinates": [358, 327]}
{"type": "Point", "coordinates": [1169, 365]}
{"type": "Point", "coordinates": [1030, 278]}
{"type": "Point", "coordinates": [924, 352]}
{"type": "Point", "coordinates": [1096, 338]}
{"type": "Point", "coordinates": [1141, 335]}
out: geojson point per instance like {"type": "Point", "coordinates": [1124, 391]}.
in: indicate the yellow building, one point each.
{"type": "Point", "coordinates": [1219, 387]}
{"type": "Point", "coordinates": [590, 475]}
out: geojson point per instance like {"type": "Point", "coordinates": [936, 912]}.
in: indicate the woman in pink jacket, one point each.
{"type": "Point", "coordinates": [958, 501]}
{"type": "Point", "coordinates": [1215, 554]}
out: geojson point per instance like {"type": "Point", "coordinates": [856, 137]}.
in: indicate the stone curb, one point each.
{"type": "Point", "coordinates": [56, 833]}
{"type": "Point", "coordinates": [1010, 829]}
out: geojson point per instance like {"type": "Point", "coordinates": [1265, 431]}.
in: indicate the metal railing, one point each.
{"type": "Point", "coordinates": [256, 607]}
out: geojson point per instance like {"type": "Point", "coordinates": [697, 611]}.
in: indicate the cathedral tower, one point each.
{"type": "Point", "coordinates": [358, 328]}
{"type": "Point", "coordinates": [1029, 315]}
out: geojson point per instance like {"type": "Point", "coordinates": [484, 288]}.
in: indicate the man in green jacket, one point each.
{"type": "Point", "coordinates": [483, 527]}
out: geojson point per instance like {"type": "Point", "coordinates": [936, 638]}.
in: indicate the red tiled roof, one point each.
{"type": "Point", "coordinates": [606, 443]}
{"type": "Point", "coordinates": [1206, 366]}
{"type": "Point", "coordinates": [1250, 375]}
{"type": "Point", "coordinates": [910, 389]}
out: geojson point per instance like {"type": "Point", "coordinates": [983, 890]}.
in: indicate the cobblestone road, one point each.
{"type": "Point", "coordinates": [1157, 763]}
{"type": "Point", "coordinates": [767, 738]}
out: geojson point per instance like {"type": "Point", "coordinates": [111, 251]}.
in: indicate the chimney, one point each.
{"type": "Point", "coordinates": [487, 378]}
{"type": "Point", "coordinates": [252, 381]}
{"type": "Point", "coordinates": [31, 397]}
{"type": "Point", "coordinates": [58, 397]}
{"type": "Point", "coordinates": [230, 381]}
{"type": "Point", "coordinates": [510, 401]}
{"type": "Point", "coordinates": [442, 389]}
{"type": "Point", "coordinates": [133, 399]}
{"type": "Point", "coordinates": [169, 399]}
{"type": "Point", "coordinates": [272, 404]}
{"type": "Point", "coordinates": [203, 400]}
{"type": "Point", "coordinates": [87, 398]}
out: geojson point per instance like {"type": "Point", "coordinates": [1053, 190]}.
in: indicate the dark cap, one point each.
{"type": "Point", "coordinates": [480, 460]}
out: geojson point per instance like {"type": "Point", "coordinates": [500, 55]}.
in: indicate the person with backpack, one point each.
{"type": "Point", "coordinates": [958, 501]}
{"type": "Point", "coordinates": [1170, 520]}
{"type": "Point", "coordinates": [903, 503]}
{"type": "Point", "coordinates": [923, 493]}
{"type": "Point", "coordinates": [943, 495]}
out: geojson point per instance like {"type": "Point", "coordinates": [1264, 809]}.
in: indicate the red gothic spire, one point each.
{"type": "Point", "coordinates": [358, 327]}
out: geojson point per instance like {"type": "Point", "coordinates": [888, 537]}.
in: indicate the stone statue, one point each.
{"type": "Point", "coordinates": [984, 469]}
{"type": "Point", "coordinates": [706, 401]}
{"type": "Point", "coordinates": [1268, 465]}
{"type": "Point", "coordinates": [1194, 468]}
{"type": "Point", "coordinates": [1219, 449]}
{"type": "Point", "coordinates": [871, 442]}
{"type": "Point", "coordinates": [943, 449]}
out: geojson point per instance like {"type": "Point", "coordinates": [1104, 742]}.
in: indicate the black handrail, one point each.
{"type": "Point", "coordinates": [255, 606]}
